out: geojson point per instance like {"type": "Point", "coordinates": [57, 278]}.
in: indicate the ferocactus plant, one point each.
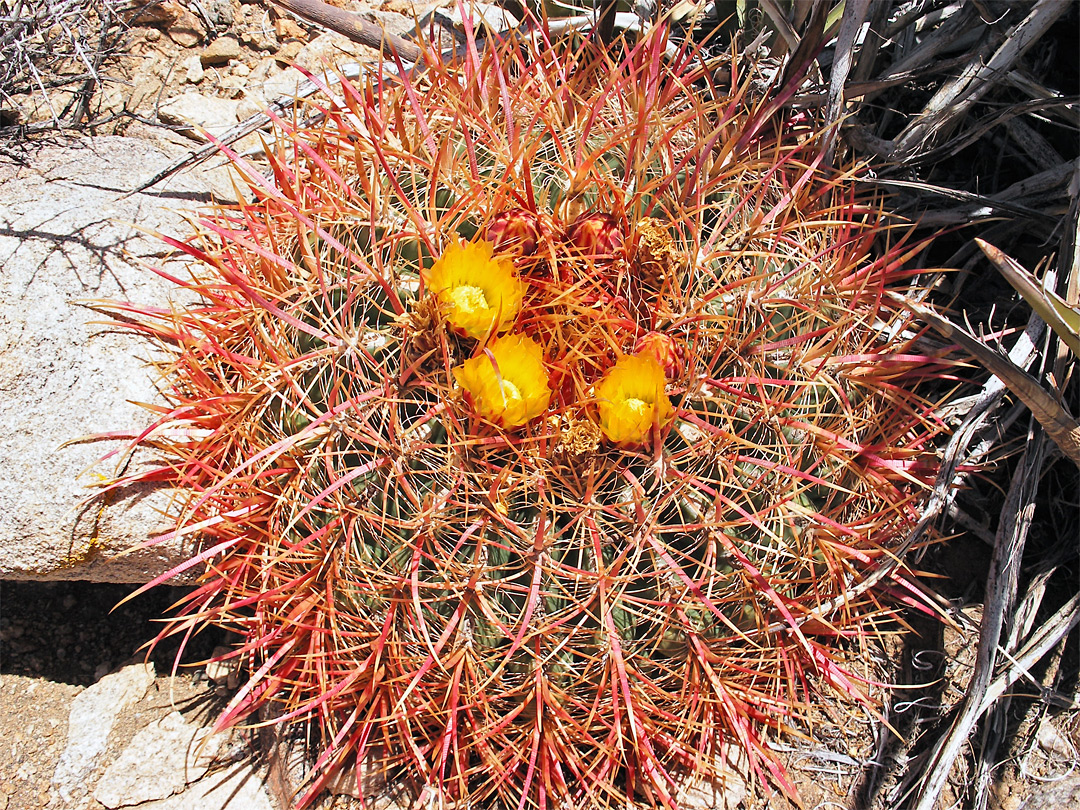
{"type": "Point", "coordinates": [546, 426]}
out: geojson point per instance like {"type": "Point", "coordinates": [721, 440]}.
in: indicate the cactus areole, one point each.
{"type": "Point", "coordinates": [547, 432]}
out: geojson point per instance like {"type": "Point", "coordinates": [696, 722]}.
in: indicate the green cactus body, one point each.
{"type": "Point", "coordinates": [538, 613]}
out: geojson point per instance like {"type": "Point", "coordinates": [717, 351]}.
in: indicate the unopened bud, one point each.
{"type": "Point", "coordinates": [595, 235]}
{"type": "Point", "coordinates": [515, 229]}
{"type": "Point", "coordinates": [664, 349]}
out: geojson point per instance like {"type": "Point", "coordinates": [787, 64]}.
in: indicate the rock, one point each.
{"type": "Point", "coordinates": [199, 114]}
{"type": "Point", "coordinates": [194, 69]}
{"type": "Point", "coordinates": [331, 49]}
{"type": "Point", "coordinates": [187, 30]}
{"type": "Point", "coordinates": [223, 671]}
{"type": "Point", "coordinates": [65, 238]}
{"type": "Point", "coordinates": [253, 103]}
{"type": "Point", "coordinates": [221, 12]}
{"type": "Point", "coordinates": [220, 51]}
{"type": "Point", "coordinates": [1053, 741]}
{"type": "Point", "coordinates": [288, 52]}
{"type": "Point", "coordinates": [162, 759]}
{"type": "Point", "coordinates": [148, 12]}
{"type": "Point", "coordinates": [284, 83]}
{"type": "Point", "coordinates": [727, 791]}
{"type": "Point", "coordinates": [232, 87]}
{"type": "Point", "coordinates": [287, 29]}
{"type": "Point", "coordinates": [1054, 795]}
{"type": "Point", "coordinates": [237, 787]}
{"type": "Point", "coordinates": [93, 713]}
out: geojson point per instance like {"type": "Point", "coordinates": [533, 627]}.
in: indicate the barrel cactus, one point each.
{"type": "Point", "coordinates": [547, 427]}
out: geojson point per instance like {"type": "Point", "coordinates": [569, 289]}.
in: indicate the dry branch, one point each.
{"type": "Point", "coordinates": [953, 100]}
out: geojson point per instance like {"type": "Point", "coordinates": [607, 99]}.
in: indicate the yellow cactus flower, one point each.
{"type": "Point", "coordinates": [479, 294]}
{"type": "Point", "coordinates": [507, 384]}
{"type": "Point", "coordinates": [631, 399]}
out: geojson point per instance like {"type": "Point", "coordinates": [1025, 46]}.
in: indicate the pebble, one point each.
{"type": "Point", "coordinates": [93, 713]}
{"type": "Point", "coordinates": [187, 31]}
{"type": "Point", "coordinates": [288, 52]}
{"type": "Point", "coordinates": [226, 672]}
{"type": "Point", "coordinates": [288, 29]}
{"type": "Point", "coordinates": [220, 51]}
{"type": "Point", "coordinates": [195, 72]}
{"type": "Point", "coordinates": [261, 40]}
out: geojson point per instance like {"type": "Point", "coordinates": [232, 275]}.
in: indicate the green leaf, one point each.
{"type": "Point", "coordinates": [1059, 316]}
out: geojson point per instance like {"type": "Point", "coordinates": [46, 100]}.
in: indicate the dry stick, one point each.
{"type": "Point", "coordinates": [973, 132]}
{"type": "Point", "coordinates": [954, 99]}
{"type": "Point", "coordinates": [1001, 587]}
{"type": "Point", "coordinates": [605, 21]}
{"type": "Point", "coordinates": [354, 27]}
{"type": "Point", "coordinates": [855, 12]}
{"type": "Point", "coordinates": [1024, 615]}
{"type": "Point", "coordinates": [779, 19]}
{"type": "Point", "coordinates": [927, 53]}
{"type": "Point", "coordinates": [1008, 199]}
{"type": "Point", "coordinates": [1048, 636]}
{"type": "Point", "coordinates": [996, 708]}
{"type": "Point", "coordinates": [1059, 424]}
{"type": "Point", "coordinates": [1032, 290]}
{"type": "Point", "coordinates": [234, 134]}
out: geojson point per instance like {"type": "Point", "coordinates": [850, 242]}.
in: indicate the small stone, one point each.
{"type": "Point", "coordinates": [288, 52]}
{"type": "Point", "coordinates": [283, 84]}
{"type": "Point", "coordinates": [224, 672]}
{"type": "Point", "coordinates": [1053, 741]}
{"type": "Point", "coordinates": [251, 104]}
{"type": "Point", "coordinates": [221, 12]}
{"type": "Point", "coordinates": [727, 791]}
{"type": "Point", "coordinates": [220, 51]}
{"type": "Point", "coordinates": [152, 35]}
{"type": "Point", "coordinates": [232, 87]}
{"type": "Point", "coordinates": [289, 29]}
{"type": "Point", "coordinates": [262, 70]}
{"type": "Point", "coordinates": [240, 69]}
{"type": "Point", "coordinates": [151, 13]}
{"type": "Point", "coordinates": [195, 72]}
{"type": "Point", "coordinates": [93, 713]}
{"type": "Point", "coordinates": [187, 31]}
{"type": "Point", "coordinates": [261, 39]}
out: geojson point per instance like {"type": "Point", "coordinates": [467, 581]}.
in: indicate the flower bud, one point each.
{"type": "Point", "coordinates": [595, 235]}
{"type": "Point", "coordinates": [664, 350]}
{"type": "Point", "coordinates": [515, 228]}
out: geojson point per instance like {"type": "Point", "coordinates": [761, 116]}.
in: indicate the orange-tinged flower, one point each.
{"type": "Point", "coordinates": [480, 295]}
{"type": "Point", "coordinates": [507, 384]}
{"type": "Point", "coordinates": [631, 399]}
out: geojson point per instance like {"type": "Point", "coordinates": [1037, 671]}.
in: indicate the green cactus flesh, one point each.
{"type": "Point", "coordinates": [538, 615]}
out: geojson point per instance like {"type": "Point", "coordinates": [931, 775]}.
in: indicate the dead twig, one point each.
{"type": "Point", "coordinates": [355, 28]}
{"type": "Point", "coordinates": [952, 101]}
{"type": "Point", "coordinates": [1060, 425]}
{"type": "Point", "coordinates": [1001, 594]}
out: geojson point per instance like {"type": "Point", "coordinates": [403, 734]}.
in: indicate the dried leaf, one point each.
{"type": "Point", "coordinates": [1059, 316]}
